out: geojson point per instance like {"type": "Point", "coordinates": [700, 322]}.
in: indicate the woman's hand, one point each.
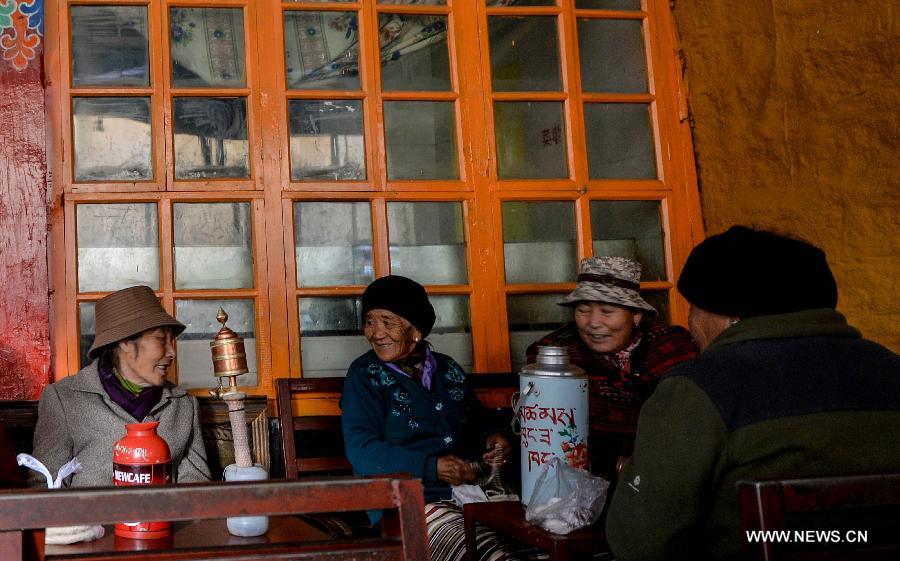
{"type": "Point", "coordinates": [454, 471]}
{"type": "Point", "coordinates": [498, 449]}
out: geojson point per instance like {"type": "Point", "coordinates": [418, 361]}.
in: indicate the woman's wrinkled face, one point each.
{"type": "Point", "coordinates": [391, 336]}
{"type": "Point", "coordinates": [605, 328]}
{"type": "Point", "coordinates": [145, 361]}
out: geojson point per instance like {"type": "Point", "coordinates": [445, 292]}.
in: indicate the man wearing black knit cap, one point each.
{"type": "Point", "coordinates": [784, 388]}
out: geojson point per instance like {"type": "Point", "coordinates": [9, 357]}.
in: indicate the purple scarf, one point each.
{"type": "Point", "coordinates": [425, 368]}
{"type": "Point", "coordinates": [137, 405]}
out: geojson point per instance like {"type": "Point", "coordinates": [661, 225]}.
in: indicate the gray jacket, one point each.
{"type": "Point", "coordinates": [76, 418]}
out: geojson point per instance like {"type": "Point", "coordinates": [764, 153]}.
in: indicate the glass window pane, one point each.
{"type": "Point", "coordinates": [213, 247]}
{"type": "Point", "coordinates": [331, 335]}
{"type": "Point", "coordinates": [607, 4]}
{"type": "Point", "coordinates": [659, 299]}
{"type": "Point", "coordinates": [452, 333]}
{"type": "Point", "coordinates": [630, 229]}
{"type": "Point", "coordinates": [118, 246]}
{"type": "Point", "coordinates": [109, 46]}
{"type": "Point", "coordinates": [112, 138]}
{"type": "Point", "coordinates": [524, 54]}
{"type": "Point", "coordinates": [539, 241]}
{"type": "Point", "coordinates": [612, 55]}
{"type": "Point", "coordinates": [211, 138]}
{"type": "Point", "coordinates": [207, 47]}
{"type": "Point", "coordinates": [87, 330]}
{"type": "Point", "coordinates": [531, 140]}
{"type": "Point", "coordinates": [428, 242]}
{"type": "Point", "coordinates": [421, 140]}
{"type": "Point", "coordinates": [619, 141]}
{"type": "Point", "coordinates": [327, 139]}
{"type": "Point", "coordinates": [414, 53]}
{"type": "Point", "coordinates": [531, 316]}
{"type": "Point", "coordinates": [195, 368]}
{"type": "Point", "coordinates": [328, 255]}
{"type": "Point", "coordinates": [321, 50]}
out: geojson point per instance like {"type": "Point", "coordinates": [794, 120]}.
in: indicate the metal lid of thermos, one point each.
{"type": "Point", "coordinates": [552, 361]}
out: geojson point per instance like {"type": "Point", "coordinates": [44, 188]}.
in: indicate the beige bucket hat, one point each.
{"type": "Point", "coordinates": [615, 280]}
{"type": "Point", "coordinates": [127, 312]}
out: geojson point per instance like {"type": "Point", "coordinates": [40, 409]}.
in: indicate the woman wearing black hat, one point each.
{"type": "Point", "coordinates": [407, 408]}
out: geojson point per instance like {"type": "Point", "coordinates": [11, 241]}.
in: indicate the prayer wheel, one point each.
{"type": "Point", "coordinates": [230, 361]}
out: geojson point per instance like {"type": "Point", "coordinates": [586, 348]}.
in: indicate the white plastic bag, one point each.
{"type": "Point", "coordinates": [565, 499]}
{"type": "Point", "coordinates": [65, 534]}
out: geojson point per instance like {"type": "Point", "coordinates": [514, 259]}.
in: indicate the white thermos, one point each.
{"type": "Point", "coordinates": [552, 410]}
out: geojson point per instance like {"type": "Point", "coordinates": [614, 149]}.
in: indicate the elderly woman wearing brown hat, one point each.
{"type": "Point", "coordinates": [407, 408]}
{"type": "Point", "coordinates": [84, 415]}
{"type": "Point", "coordinates": [622, 351]}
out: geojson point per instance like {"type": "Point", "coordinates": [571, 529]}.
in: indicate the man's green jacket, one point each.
{"type": "Point", "coordinates": [791, 395]}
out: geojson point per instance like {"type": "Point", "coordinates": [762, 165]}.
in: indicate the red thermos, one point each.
{"type": "Point", "coordinates": [141, 457]}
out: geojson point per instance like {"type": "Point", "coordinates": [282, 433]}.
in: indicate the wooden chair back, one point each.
{"type": "Point", "coordinates": [19, 417]}
{"type": "Point", "coordinates": [400, 496]}
{"type": "Point", "coordinates": [297, 430]}
{"type": "Point", "coordinates": [827, 518]}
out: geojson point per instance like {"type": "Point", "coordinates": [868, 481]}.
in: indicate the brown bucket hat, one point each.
{"type": "Point", "coordinates": [615, 280]}
{"type": "Point", "coordinates": [127, 312]}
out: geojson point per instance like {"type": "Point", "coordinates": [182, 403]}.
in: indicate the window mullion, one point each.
{"type": "Point", "coordinates": [370, 70]}
{"type": "Point", "coordinates": [162, 87]}
{"type": "Point", "coordinates": [380, 241]}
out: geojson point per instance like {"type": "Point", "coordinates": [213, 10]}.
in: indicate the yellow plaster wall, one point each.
{"type": "Point", "coordinates": [796, 112]}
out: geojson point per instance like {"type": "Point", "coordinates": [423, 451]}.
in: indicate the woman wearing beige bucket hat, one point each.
{"type": "Point", "coordinates": [84, 415]}
{"type": "Point", "coordinates": [622, 351]}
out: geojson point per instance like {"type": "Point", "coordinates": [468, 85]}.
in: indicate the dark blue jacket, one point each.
{"type": "Point", "coordinates": [393, 424]}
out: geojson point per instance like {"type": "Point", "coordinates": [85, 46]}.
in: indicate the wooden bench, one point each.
{"type": "Point", "coordinates": [20, 419]}
{"type": "Point", "coordinates": [401, 497]}
{"type": "Point", "coordinates": [304, 454]}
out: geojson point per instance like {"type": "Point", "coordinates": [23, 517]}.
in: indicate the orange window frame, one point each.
{"type": "Point", "coordinates": [272, 191]}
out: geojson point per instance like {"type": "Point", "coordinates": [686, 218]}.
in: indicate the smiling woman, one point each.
{"type": "Point", "coordinates": [145, 360]}
{"type": "Point", "coordinates": [126, 383]}
{"type": "Point", "coordinates": [622, 351]}
{"type": "Point", "coordinates": [391, 336]}
{"type": "Point", "coordinates": [407, 408]}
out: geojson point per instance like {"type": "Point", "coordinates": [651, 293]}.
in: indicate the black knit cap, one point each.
{"type": "Point", "coordinates": [745, 273]}
{"type": "Point", "coordinates": [405, 297]}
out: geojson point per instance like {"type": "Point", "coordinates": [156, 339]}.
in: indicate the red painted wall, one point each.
{"type": "Point", "coordinates": [24, 282]}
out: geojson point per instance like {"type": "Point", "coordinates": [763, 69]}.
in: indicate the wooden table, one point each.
{"type": "Point", "coordinates": [508, 517]}
{"type": "Point", "coordinates": [211, 536]}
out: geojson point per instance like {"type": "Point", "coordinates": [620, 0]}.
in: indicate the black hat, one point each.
{"type": "Point", "coordinates": [745, 272]}
{"type": "Point", "coordinates": [405, 297]}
